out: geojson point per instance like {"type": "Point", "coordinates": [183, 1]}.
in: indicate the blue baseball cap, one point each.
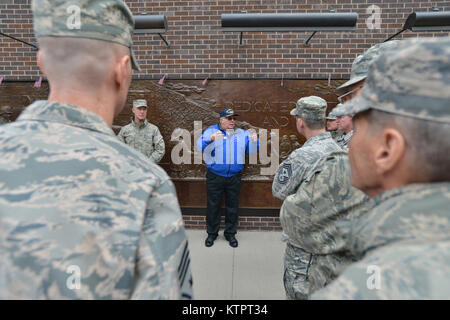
{"type": "Point", "coordinates": [227, 112]}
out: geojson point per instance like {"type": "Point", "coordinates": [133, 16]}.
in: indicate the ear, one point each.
{"type": "Point", "coordinates": [389, 151]}
{"type": "Point", "coordinates": [122, 71]}
{"type": "Point", "coordinates": [39, 61]}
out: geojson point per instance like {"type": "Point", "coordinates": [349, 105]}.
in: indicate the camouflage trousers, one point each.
{"type": "Point", "coordinates": [296, 265]}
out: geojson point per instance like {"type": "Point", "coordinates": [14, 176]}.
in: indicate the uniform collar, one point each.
{"type": "Point", "coordinates": [50, 111]}
{"type": "Point", "coordinates": [348, 136]}
{"type": "Point", "coordinates": [318, 137]}
{"type": "Point", "coordinates": [414, 188]}
{"type": "Point", "coordinates": [139, 126]}
{"type": "Point", "coordinates": [399, 214]}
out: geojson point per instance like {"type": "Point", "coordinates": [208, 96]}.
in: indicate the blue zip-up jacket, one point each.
{"type": "Point", "coordinates": [226, 157]}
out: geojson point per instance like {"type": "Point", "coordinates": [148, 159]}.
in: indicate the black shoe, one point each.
{"type": "Point", "coordinates": [232, 241]}
{"type": "Point", "coordinates": [210, 240]}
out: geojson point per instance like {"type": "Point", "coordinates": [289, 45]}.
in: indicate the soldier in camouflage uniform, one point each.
{"type": "Point", "coordinates": [360, 66]}
{"type": "Point", "coordinates": [332, 126]}
{"type": "Point", "coordinates": [399, 157]}
{"type": "Point", "coordinates": [291, 171]}
{"type": "Point", "coordinates": [5, 114]}
{"type": "Point", "coordinates": [82, 215]}
{"type": "Point", "coordinates": [294, 183]}
{"type": "Point", "coordinates": [141, 134]}
{"type": "Point", "coordinates": [344, 124]}
{"type": "Point", "coordinates": [353, 87]}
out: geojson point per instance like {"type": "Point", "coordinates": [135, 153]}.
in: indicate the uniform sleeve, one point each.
{"type": "Point", "coordinates": [415, 270]}
{"type": "Point", "coordinates": [160, 147]}
{"type": "Point", "coordinates": [163, 261]}
{"type": "Point", "coordinates": [288, 177]}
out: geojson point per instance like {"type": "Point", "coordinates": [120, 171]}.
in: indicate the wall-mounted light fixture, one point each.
{"type": "Point", "coordinates": [426, 21]}
{"type": "Point", "coordinates": [16, 39]}
{"type": "Point", "coordinates": [156, 24]}
{"type": "Point", "coordinates": [284, 22]}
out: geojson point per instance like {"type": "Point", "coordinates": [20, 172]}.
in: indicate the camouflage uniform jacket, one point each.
{"type": "Point", "coordinates": [292, 171]}
{"type": "Point", "coordinates": [336, 134]}
{"type": "Point", "coordinates": [145, 138]}
{"type": "Point", "coordinates": [343, 140]}
{"type": "Point", "coordinates": [403, 244]}
{"type": "Point", "coordinates": [312, 216]}
{"type": "Point", "coordinates": [84, 216]}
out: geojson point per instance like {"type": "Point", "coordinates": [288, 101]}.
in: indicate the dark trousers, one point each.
{"type": "Point", "coordinates": [215, 186]}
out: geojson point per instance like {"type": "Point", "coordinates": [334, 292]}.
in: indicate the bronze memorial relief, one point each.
{"type": "Point", "coordinates": [182, 109]}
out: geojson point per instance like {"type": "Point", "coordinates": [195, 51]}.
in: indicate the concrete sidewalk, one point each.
{"type": "Point", "coordinates": [252, 271]}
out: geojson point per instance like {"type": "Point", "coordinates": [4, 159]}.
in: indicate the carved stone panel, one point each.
{"type": "Point", "coordinates": [190, 106]}
{"type": "Point", "coordinates": [262, 104]}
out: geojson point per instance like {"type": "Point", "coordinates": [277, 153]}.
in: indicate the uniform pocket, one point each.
{"type": "Point", "coordinates": [129, 138]}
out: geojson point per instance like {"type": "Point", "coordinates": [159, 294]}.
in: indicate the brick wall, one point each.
{"type": "Point", "coordinates": [199, 48]}
{"type": "Point", "coordinates": [245, 223]}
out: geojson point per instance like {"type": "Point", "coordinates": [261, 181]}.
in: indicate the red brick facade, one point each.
{"type": "Point", "coordinates": [200, 49]}
{"type": "Point", "coordinates": [245, 223]}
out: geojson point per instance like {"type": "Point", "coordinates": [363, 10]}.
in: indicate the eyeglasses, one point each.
{"type": "Point", "coordinates": [348, 95]}
{"type": "Point", "coordinates": [230, 118]}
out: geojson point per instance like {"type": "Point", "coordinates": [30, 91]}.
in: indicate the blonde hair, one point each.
{"type": "Point", "coordinates": [84, 63]}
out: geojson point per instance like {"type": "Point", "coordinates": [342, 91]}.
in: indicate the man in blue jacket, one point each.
{"type": "Point", "coordinates": [224, 148]}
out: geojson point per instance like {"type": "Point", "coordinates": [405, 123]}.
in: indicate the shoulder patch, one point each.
{"type": "Point", "coordinates": [285, 173]}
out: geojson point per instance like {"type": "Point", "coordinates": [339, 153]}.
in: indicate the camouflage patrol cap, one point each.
{"type": "Point", "coordinates": [332, 114]}
{"type": "Point", "coordinates": [107, 20]}
{"type": "Point", "coordinates": [412, 80]}
{"type": "Point", "coordinates": [310, 108]}
{"type": "Point", "coordinates": [361, 64]}
{"type": "Point", "coordinates": [140, 103]}
{"type": "Point", "coordinates": [340, 110]}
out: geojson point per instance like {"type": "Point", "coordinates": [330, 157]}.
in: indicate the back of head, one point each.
{"type": "Point", "coordinates": [106, 20]}
{"type": "Point", "coordinates": [312, 111]}
{"type": "Point", "coordinates": [78, 63]}
{"type": "Point", "coordinates": [80, 39]}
